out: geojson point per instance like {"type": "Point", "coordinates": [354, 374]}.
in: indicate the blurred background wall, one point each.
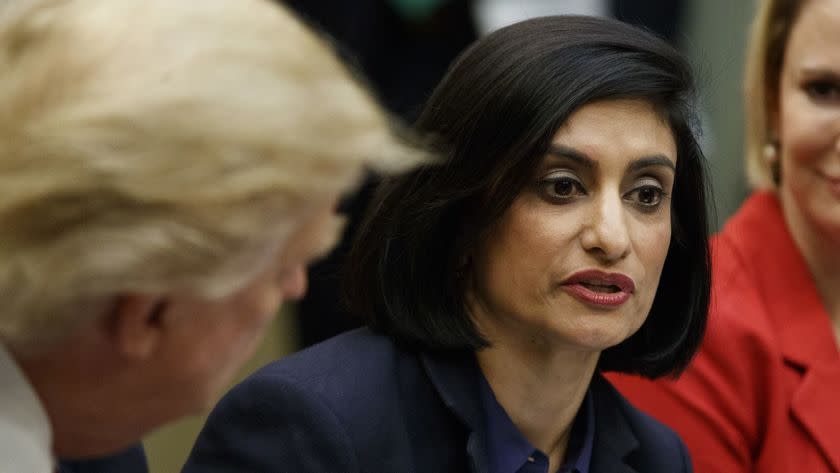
{"type": "Point", "coordinates": [403, 47]}
{"type": "Point", "coordinates": [714, 40]}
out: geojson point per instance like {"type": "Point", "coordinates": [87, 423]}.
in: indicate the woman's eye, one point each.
{"type": "Point", "coordinates": [823, 90]}
{"type": "Point", "coordinates": [648, 197]}
{"type": "Point", "coordinates": [563, 188]}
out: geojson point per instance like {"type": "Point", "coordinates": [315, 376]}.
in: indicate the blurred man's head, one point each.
{"type": "Point", "coordinates": [167, 169]}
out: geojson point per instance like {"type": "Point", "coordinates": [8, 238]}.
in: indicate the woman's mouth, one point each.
{"type": "Point", "coordinates": [834, 185]}
{"type": "Point", "coordinates": [609, 289]}
{"type": "Point", "coordinates": [599, 289]}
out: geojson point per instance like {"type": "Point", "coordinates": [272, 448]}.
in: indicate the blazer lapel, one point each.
{"type": "Point", "coordinates": [455, 377]}
{"type": "Point", "coordinates": [814, 407]}
{"type": "Point", "coordinates": [809, 349]}
{"type": "Point", "coordinates": [614, 438]}
{"type": "Point", "coordinates": [456, 381]}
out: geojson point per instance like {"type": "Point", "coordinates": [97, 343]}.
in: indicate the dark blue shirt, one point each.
{"type": "Point", "coordinates": [510, 452]}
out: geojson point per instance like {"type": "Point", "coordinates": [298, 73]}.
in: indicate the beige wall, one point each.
{"type": "Point", "coordinates": [167, 448]}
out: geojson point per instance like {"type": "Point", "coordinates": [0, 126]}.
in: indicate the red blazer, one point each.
{"type": "Point", "coordinates": [763, 395]}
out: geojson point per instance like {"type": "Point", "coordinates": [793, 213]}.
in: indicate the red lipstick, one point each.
{"type": "Point", "coordinates": [599, 289]}
{"type": "Point", "coordinates": [834, 185]}
{"type": "Point", "coordinates": [833, 181]}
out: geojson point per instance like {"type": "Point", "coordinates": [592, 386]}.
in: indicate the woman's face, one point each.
{"type": "Point", "coordinates": [575, 261]}
{"type": "Point", "coordinates": [808, 124]}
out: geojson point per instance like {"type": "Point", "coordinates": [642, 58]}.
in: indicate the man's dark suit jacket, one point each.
{"type": "Point", "coordinates": [359, 403]}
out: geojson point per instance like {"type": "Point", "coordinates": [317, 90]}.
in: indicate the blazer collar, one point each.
{"type": "Point", "coordinates": [798, 317]}
{"type": "Point", "coordinates": [455, 378]}
{"type": "Point", "coordinates": [614, 438]}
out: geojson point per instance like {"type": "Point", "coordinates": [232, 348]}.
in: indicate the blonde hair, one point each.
{"type": "Point", "coordinates": [765, 56]}
{"type": "Point", "coordinates": [148, 145]}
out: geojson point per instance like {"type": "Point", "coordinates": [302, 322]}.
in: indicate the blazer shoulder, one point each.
{"type": "Point", "coordinates": [309, 412]}
{"type": "Point", "coordinates": [270, 422]}
{"type": "Point", "coordinates": [356, 363]}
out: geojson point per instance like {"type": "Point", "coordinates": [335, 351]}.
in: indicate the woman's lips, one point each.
{"type": "Point", "coordinates": [832, 180]}
{"type": "Point", "coordinates": [599, 288]}
{"type": "Point", "coordinates": [834, 185]}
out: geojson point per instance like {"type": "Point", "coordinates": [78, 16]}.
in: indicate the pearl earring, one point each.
{"type": "Point", "coordinates": [771, 152]}
{"type": "Point", "coordinates": [771, 156]}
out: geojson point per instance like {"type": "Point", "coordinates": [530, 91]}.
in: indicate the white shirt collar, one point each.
{"type": "Point", "coordinates": [25, 430]}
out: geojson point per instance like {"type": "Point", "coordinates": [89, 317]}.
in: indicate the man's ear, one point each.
{"type": "Point", "coordinates": [136, 324]}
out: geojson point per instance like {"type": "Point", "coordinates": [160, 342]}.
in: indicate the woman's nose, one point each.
{"type": "Point", "coordinates": [606, 234]}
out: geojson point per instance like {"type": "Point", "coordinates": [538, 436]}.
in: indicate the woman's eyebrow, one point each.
{"type": "Point", "coordinates": [578, 157]}
{"type": "Point", "coordinates": [566, 152]}
{"type": "Point", "coordinates": [810, 71]}
{"type": "Point", "coordinates": [652, 161]}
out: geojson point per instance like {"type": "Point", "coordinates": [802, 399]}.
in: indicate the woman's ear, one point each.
{"type": "Point", "coordinates": [136, 324]}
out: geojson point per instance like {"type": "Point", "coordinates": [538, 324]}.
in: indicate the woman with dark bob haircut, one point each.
{"type": "Point", "coordinates": [563, 234]}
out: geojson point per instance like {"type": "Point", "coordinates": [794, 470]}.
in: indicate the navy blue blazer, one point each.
{"type": "Point", "coordinates": [359, 403]}
{"type": "Point", "coordinates": [132, 460]}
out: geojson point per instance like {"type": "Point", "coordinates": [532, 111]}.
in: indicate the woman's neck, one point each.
{"type": "Point", "coordinates": [540, 387]}
{"type": "Point", "coordinates": [821, 252]}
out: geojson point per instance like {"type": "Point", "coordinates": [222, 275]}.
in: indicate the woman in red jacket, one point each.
{"type": "Point", "coordinates": [761, 395]}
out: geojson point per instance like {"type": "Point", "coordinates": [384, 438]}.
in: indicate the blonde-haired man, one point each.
{"type": "Point", "coordinates": [167, 168]}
